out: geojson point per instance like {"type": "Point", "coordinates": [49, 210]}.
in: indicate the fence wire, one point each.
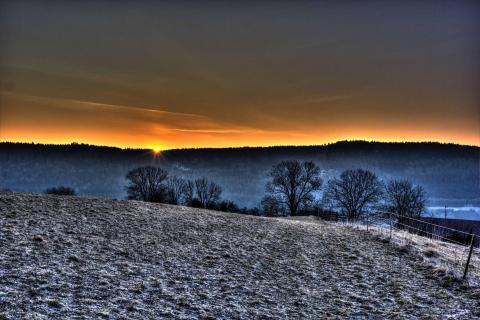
{"type": "Point", "coordinates": [446, 247]}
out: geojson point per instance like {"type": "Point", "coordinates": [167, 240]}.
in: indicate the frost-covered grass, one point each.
{"type": "Point", "coordinates": [447, 259]}
{"type": "Point", "coordinates": [65, 257]}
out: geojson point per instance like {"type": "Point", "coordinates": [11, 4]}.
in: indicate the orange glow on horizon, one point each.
{"type": "Point", "coordinates": [62, 121]}
{"type": "Point", "coordinates": [243, 139]}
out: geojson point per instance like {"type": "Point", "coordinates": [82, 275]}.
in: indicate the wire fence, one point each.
{"type": "Point", "coordinates": [453, 250]}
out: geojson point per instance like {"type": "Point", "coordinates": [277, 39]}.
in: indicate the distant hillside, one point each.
{"type": "Point", "coordinates": [449, 172]}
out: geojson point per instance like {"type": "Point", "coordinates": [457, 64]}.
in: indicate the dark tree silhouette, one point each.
{"type": "Point", "coordinates": [176, 190]}
{"type": "Point", "coordinates": [147, 184]}
{"type": "Point", "coordinates": [61, 191]}
{"type": "Point", "coordinates": [405, 199]}
{"type": "Point", "coordinates": [354, 192]}
{"type": "Point", "coordinates": [294, 183]}
{"type": "Point", "coordinates": [189, 195]}
{"type": "Point", "coordinates": [207, 192]}
{"type": "Point", "coordinates": [227, 206]}
{"type": "Point", "coordinates": [272, 206]}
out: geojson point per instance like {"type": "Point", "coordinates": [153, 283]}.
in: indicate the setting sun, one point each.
{"type": "Point", "coordinates": [156, 152]}
{"type": "Point", "coordinates": [156, 149]}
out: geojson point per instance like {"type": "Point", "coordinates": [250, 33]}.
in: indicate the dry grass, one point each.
{"type": "Point", "coordinates": [443, 256]}
{"type": "Point", "coordinates": [64, 257]}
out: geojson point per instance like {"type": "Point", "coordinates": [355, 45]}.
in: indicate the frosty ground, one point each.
{"type": "Point", "coordinates": [69, 257]}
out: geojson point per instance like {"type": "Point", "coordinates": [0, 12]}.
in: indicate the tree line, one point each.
{"type": "Point", "coordinates": [153, 184]}
{"type": "Point", "coordinates": [448, 172]}
{"type": "Point", "coordinates": [293, 188]}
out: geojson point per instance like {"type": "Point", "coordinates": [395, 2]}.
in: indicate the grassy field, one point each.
{"type": "Point", "coordinates": [64, 257]}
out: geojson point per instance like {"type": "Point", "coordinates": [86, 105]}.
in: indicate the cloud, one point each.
{"type": "Point", "coordinates": [312, 99]}
{"type": "Point", "coordinates": [93, 110]}
{"type": "Point", "coordinates": [75, 103]}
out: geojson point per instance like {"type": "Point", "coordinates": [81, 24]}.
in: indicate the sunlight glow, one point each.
{"type": "Point", "coordinates": [156, 149]}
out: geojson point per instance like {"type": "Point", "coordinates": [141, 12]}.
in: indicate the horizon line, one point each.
{"type": "Point", "coordinates": [73, 143]}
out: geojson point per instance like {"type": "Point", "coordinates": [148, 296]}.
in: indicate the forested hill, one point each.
{"type": "Point", "coordinates": [449, 172]}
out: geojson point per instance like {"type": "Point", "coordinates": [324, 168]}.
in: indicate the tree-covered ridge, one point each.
{"type": "Point", "coordinates": [449, 172]}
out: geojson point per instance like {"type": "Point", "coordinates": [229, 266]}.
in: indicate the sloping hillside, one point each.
{"type": "Point", "coordinates": [67, 256]}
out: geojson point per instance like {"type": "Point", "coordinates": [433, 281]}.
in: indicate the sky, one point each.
{"type": "Point", "coordinates": [180, 74]}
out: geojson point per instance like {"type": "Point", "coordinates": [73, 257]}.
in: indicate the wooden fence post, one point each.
{"type": "Point", "coordinates": [391, 225]}
{"type": "Point", "coordinates": [469, 256]}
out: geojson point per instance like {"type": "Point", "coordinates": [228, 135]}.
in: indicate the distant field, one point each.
{"type": "Point", "coordinates": [64, 257]}
{"type": "Point", "coordinates": [466, 213]}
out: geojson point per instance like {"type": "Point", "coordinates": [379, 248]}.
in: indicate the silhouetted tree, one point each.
{"type": "Point", "coordinates": [61, 191]}
{"type": "Point", "coordinates": [147, 184]}
{"type": "Point", "coordinates": [176, 190]}
{"type": "Point", "coordinates": [189, 195]}
{"type": "Point", "coordinates": [405, 199]}
{"type": "Point", "coordinates": [207, 192]}
{"type": "Point", "coordinates": [227, 206]}
{"type": "Point", "coordinates": [272, 206]}
{"type": "Point", "coordinates": [294, 183]}
{"type": "Point", "coordinates": [354, 192]}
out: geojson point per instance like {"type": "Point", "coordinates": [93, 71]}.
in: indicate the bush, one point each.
{"type": "Point", "coordinates": [195, 203]}
{"type": "Point", "coordinates": [250, 211]}
{"type": "Point", "coordinates": [227, 206]}
{"type": "Point", "coordinates": [61, 191]}
{"type": "Point", "coordinates": [272, 206]}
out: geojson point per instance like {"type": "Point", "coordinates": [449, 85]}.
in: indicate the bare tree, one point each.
{"type": "Point", "coordinates": [176, 190]}
{"type": "Point", "coordinates": [405, 199]}
{"type": "Point", "coordinates": [147, 184]}
{"type": "Point", "coordinates": [294, 183]}
{"type": "Point", "coordinates": [207, 192]}
{"type": "Point", "coordinates": [189, 192]}
{"type": "Point", "coordinates": [354, 192]}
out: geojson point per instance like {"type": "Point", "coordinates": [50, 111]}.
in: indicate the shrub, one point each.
{"type": "Point", "coordinates": [195, 203]}
{"type": "Point", "coordinates": [250, 211]}
{"type": "Point", "coordinates": [272, 206]}
{"type": "Point", "coordinates": [61, 191]}
{"type": "Point", "coordinates": [227, 206]}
